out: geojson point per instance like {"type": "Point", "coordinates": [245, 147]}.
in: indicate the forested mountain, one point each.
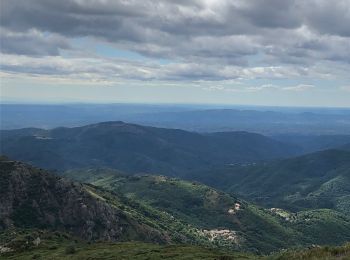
{"type": "Point", "coordinates": [313, 143]}
{"type": "Point", "coordinates": [346, 147]}
{"type": "Point", "coordinates": [318, 180]}
{"type": "Point", "coordinates": [134, 148]}
{"type": "Point", "coordinates": [154, 209]}
{"type": "Point", "coordinates": [255, 228]}
{"type": "Point", "coordinates": [33, 198]}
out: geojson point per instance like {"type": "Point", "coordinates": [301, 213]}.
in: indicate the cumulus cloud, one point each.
{"type": "Point", "coordinates": [203, 39]}
{"type": "Point", "coordinates": [328, 17]}
{"type": "Point", "coordinates": [32, 42]}
{"type": "Point", "coordinates": [112, 70]}
{"type": "Point", "coordinates": [301, 87]}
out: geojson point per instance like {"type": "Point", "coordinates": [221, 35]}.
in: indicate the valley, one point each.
{"type": "Point", "coordinates": [317, 180]}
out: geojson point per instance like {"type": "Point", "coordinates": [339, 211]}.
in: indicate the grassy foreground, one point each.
{"type": "Point", "coordinates": [39, 244]}
{"type": "Point", "coordinates": [131, 250]}
{"type": "Point", "coordinates": [126, 250]}
{"type": "Point", "coordinates": [25, 244]}
{"type": "Point", "coordinates": [317, 253]}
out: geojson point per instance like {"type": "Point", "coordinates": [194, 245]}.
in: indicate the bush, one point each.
{"type": "Point", "coordinates": [70, 250]}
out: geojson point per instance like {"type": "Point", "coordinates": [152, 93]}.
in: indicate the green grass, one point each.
{"type": "Point", "coordinates": [56, 245]}
{"type": "Point", "coordinates": [61, 246]}
{"type": "Point", "coordinates": [126, 251]}
{"type": "Point", "coordinates": [316, 253]}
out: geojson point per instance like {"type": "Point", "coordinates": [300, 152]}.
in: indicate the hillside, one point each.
{"type": "Point", "coordinates": [32, 198]}
{"type": "Point", "coordinates": [314, 143]}
{"type": "Point", "coordinates": [318, 180]}
{"type": "Point", "coordinates": [154, 209]}
{"type": "Point", "coordinates": [256, 228]}
{"type": "Point", "coordinates": [346, 147]}
{"type": "Point", "coordinates": [134, 148]}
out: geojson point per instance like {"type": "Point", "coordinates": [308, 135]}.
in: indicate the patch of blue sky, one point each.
{"type": "Point", "coordinates": [256, 59]}
{"type": "Point", "coordinates": [111, 52]}
{"type": "Point", "coordinates": [275, 82]}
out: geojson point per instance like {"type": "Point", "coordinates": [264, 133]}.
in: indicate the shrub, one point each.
{"type": "Point", "coordinates": [70, 250]}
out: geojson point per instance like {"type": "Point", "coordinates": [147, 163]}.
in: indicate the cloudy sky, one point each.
{"type": "Point", "coordinates": [261, 52]}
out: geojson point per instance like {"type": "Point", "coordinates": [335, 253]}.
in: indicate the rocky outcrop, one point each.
{"type": "Point", "coordinates": [31, 197]}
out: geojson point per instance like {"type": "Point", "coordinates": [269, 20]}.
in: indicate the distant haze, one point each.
{"type": "Point", "coordinates": [198, 118]}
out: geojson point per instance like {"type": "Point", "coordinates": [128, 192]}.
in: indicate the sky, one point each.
{"type": "Point", "coordinates": [254, 52]}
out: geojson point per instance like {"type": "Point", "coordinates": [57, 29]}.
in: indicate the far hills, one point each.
{"type": "Point", "coordinates": [134, 148]}
{"type": "Point", "coordinates": [198, 118]}
{"type": "Point", "coordinates": [266, 121]}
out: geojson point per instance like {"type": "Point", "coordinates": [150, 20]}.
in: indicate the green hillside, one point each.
{"type": "Point", "coordinates": [156, 209]}
{"type": "Point", "coordinates": [33, 198]}
{"type": "Point", "coordinates": [257, 229]}
{"type": "Point", "coordinates": [188, 213]}
{"type": "Point", "coordinates": [313, 181]}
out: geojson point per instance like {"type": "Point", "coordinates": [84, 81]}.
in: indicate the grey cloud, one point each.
{"type": "Point", "coordinates": [116, 20]}
{"type": "Point", "coordinates": [79, 68]}
{"type": "Point", "coordinates": [272, 13]}
{"type": "Point", "coordinates": [114, 70]}
{"type": "Point", "coordinates": [328, 17]}
{"type": "Point", "coordinates": [32, 43]}
{"type": "Point", "coordinates": [211, 36]}
{"type": "Point", "coordinates": [73, 17]}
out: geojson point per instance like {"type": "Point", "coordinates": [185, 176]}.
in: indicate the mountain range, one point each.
{"type": "Point", "coordinates": [136, 191]}
{"type": "Point", "coordinates": [198, 118]}
{"type": "Point", "coordinates": [264, 121]}
{"type": "Point", "coordinates": [134, 148]}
